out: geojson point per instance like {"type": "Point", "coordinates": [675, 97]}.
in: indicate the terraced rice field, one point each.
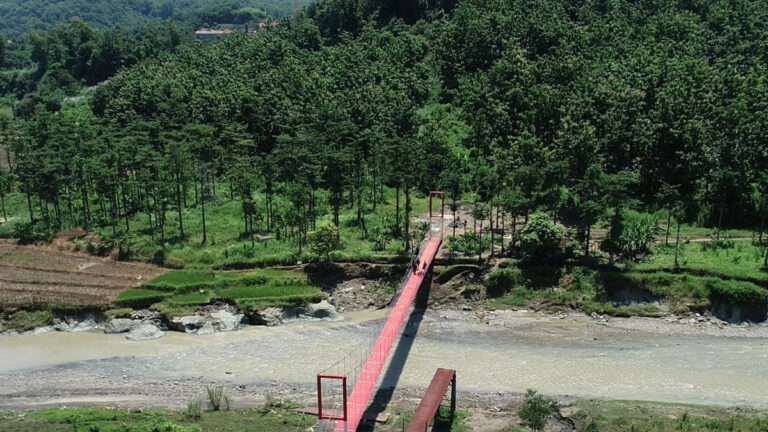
{"type": "Point", "coordinates": [36, 275]}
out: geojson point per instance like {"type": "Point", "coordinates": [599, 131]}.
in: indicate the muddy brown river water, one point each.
{"type": "Point", "coordinates": [560, 357]}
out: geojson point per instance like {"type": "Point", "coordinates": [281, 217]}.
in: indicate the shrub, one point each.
{"type": "Point", "coordinates": [158, 257]}
{"type": "Point", "coordinates": [502, 280]}
{"type": "Point", "coordinates": [536, 408]}
{"type": "Point", "coordinates": [217, 400]}
{"type": "Point", "coordinates": [253, 280]}
{"type": "Point", "coordinates": [540, 237]}
{"type": "Point", "coordinates": [631, 236]}
{"type": "Point", "coordinates": [324, 240]}
{"type": "Point", "coordinates": [28, 232]}
{"type": "Point", "coordinates": [737, 292]}
{"type": "Point", "coordinates": [194, 409]}
{"type": "Point", "coordinates": [469, 244]}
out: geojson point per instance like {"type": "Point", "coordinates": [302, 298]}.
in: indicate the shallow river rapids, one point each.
{"type": "Point", "coordinates": [570, 357]}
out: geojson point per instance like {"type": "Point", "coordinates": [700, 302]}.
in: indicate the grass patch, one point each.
{"type": "Point", "coordinates": [140, 297]}
{"type": "Point", "coordinates": [615, 416]}
{"type": "Point", "coordinates": [228, 248]}
{"type": "Point", "coordinates": [25, 320]}
{"type": "Point", "coordinates": [741, 260]}
{"type": "Point", "coordinates": [622, 293]}
{"type": "Point", "coordinates": [117, 420]}
{"type": "Point", "coordinates": [181, 292]}
{"type": "Point", "coordinates": [441, 421]}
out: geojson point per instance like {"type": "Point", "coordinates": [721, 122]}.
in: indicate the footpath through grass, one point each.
{"type": "Point", "coordinates": [183, 291]}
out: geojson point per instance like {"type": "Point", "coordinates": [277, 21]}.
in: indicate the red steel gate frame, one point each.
{"type": "Point", "coordinates": [322, 416]}
{"type": "Point", "coordinates": [433, 194]}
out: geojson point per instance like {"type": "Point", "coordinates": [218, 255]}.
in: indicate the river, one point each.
{"type": "Point", "coordinates": [573, 357]}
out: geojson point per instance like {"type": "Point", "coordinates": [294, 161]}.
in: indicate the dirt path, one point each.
{"type": "Point", "coordinates": [497, 356]}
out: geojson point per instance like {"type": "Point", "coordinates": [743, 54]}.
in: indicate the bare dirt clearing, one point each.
{"type": "Point", "coordinates": [38, 275]}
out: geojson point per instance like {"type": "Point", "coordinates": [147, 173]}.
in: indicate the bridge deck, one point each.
{"type": "Point", "coordinates": [361, 393]}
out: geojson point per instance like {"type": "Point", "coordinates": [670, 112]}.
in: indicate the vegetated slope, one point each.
{"type": "Point", "coordinates": [20, 16]}
{"type": "Point", "coordinates": [32, 275]}
{"type": "Point", "coordinates": [583, 110]}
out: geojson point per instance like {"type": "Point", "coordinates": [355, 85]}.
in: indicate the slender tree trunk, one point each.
{"type": "Point", "coordinates": [480, 245]}
{"type": "Point", "coordinates": [373, 189]}
{"type": "Point", "coordinates": [245, 206]}
{"type": "Point", "coordinates": [453, 211]}
{"type": "Point", "coordinates": [669, 222]}
{"type": "Point", "coordinates": [490, 222]}
{"type": "Point", "coordinates": [2, 203]}
{"type": "Point", "coordinates": [407, 218]}
{"type": "Point", "coordinates": [359, 197]}
{"type": "Point", "coordinates": [586, 247]}
{"type": "Point", "coordinates": [160, 217]}
{"type": "Point", "coordinates": [336, 207]}
{"type": "Point", "coordinates": [70, 215]}
{"type": "Point", "coordinates": [127, 214]}
{"type": "Point", "coordinates": [397, 209]}
{"type": "Point", "coordinates": [112, 214]}
{"type": "Point", "coordinates": [501, 239]}
{"type": "Point", "coordinates": [213, 183]}
{"type": "Point", "coordinates": [86, 210]}
{"type": "Point", "coordinates": [720, 218]}
{"type": "Point", "coordinates": [29, 204]}
{"type": "Point", "coordinates": [677, 245]}
{"type": "Point", "coordinates": [178, 208]}
{"type": "Point", "coordinates": [202, 206]}
{"type": "Point", "coordinates": [765, 259]}
{"type": "Point", "coordinates": [514, 230]}
{"type": "Point", "coordinates": [313, 208]}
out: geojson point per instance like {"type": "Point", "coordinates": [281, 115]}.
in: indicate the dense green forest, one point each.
{"type": "Point", "coordinates": [585, 111]}
{"type": "Point", "coordinates": [19, 17]}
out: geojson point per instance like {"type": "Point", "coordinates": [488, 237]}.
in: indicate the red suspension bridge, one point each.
{"type": "Point", "coordinates": [349, 410]}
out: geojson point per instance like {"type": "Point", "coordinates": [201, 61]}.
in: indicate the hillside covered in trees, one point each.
{"type": "Point", "coordinates": [19, 17]}
{"type": "Point", "coordinates": [578, 109]}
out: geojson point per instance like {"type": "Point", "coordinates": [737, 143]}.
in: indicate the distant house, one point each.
{"type": "Point", "coordinates": [212, 34]}
{"type": "Point", "coordinates": [205, 34]}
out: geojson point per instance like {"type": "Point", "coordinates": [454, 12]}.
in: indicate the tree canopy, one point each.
{"type": "Point", "coordinates": [577, 109]}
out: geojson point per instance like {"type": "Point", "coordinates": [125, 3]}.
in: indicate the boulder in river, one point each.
{"type": "Point", "coordinates": [207, 328]}
{"type": "Point", "coordinates": [323, 310]}
{"type": "Point", "coordinates": [226, 321]}
{"type": "Point", "coordinates": [120, 325]}
{"type": "Point", "coordinates": [145, 332]}
{"type": "Point", "coordinates": [220, 321]}
{"type": "Point", "coordinates": [269, 317]}
{"type": "Point", "coordinates": [190, 324]}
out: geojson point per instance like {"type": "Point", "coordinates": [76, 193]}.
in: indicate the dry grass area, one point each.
{"type": "Point", "coordinates": [35, 275]}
